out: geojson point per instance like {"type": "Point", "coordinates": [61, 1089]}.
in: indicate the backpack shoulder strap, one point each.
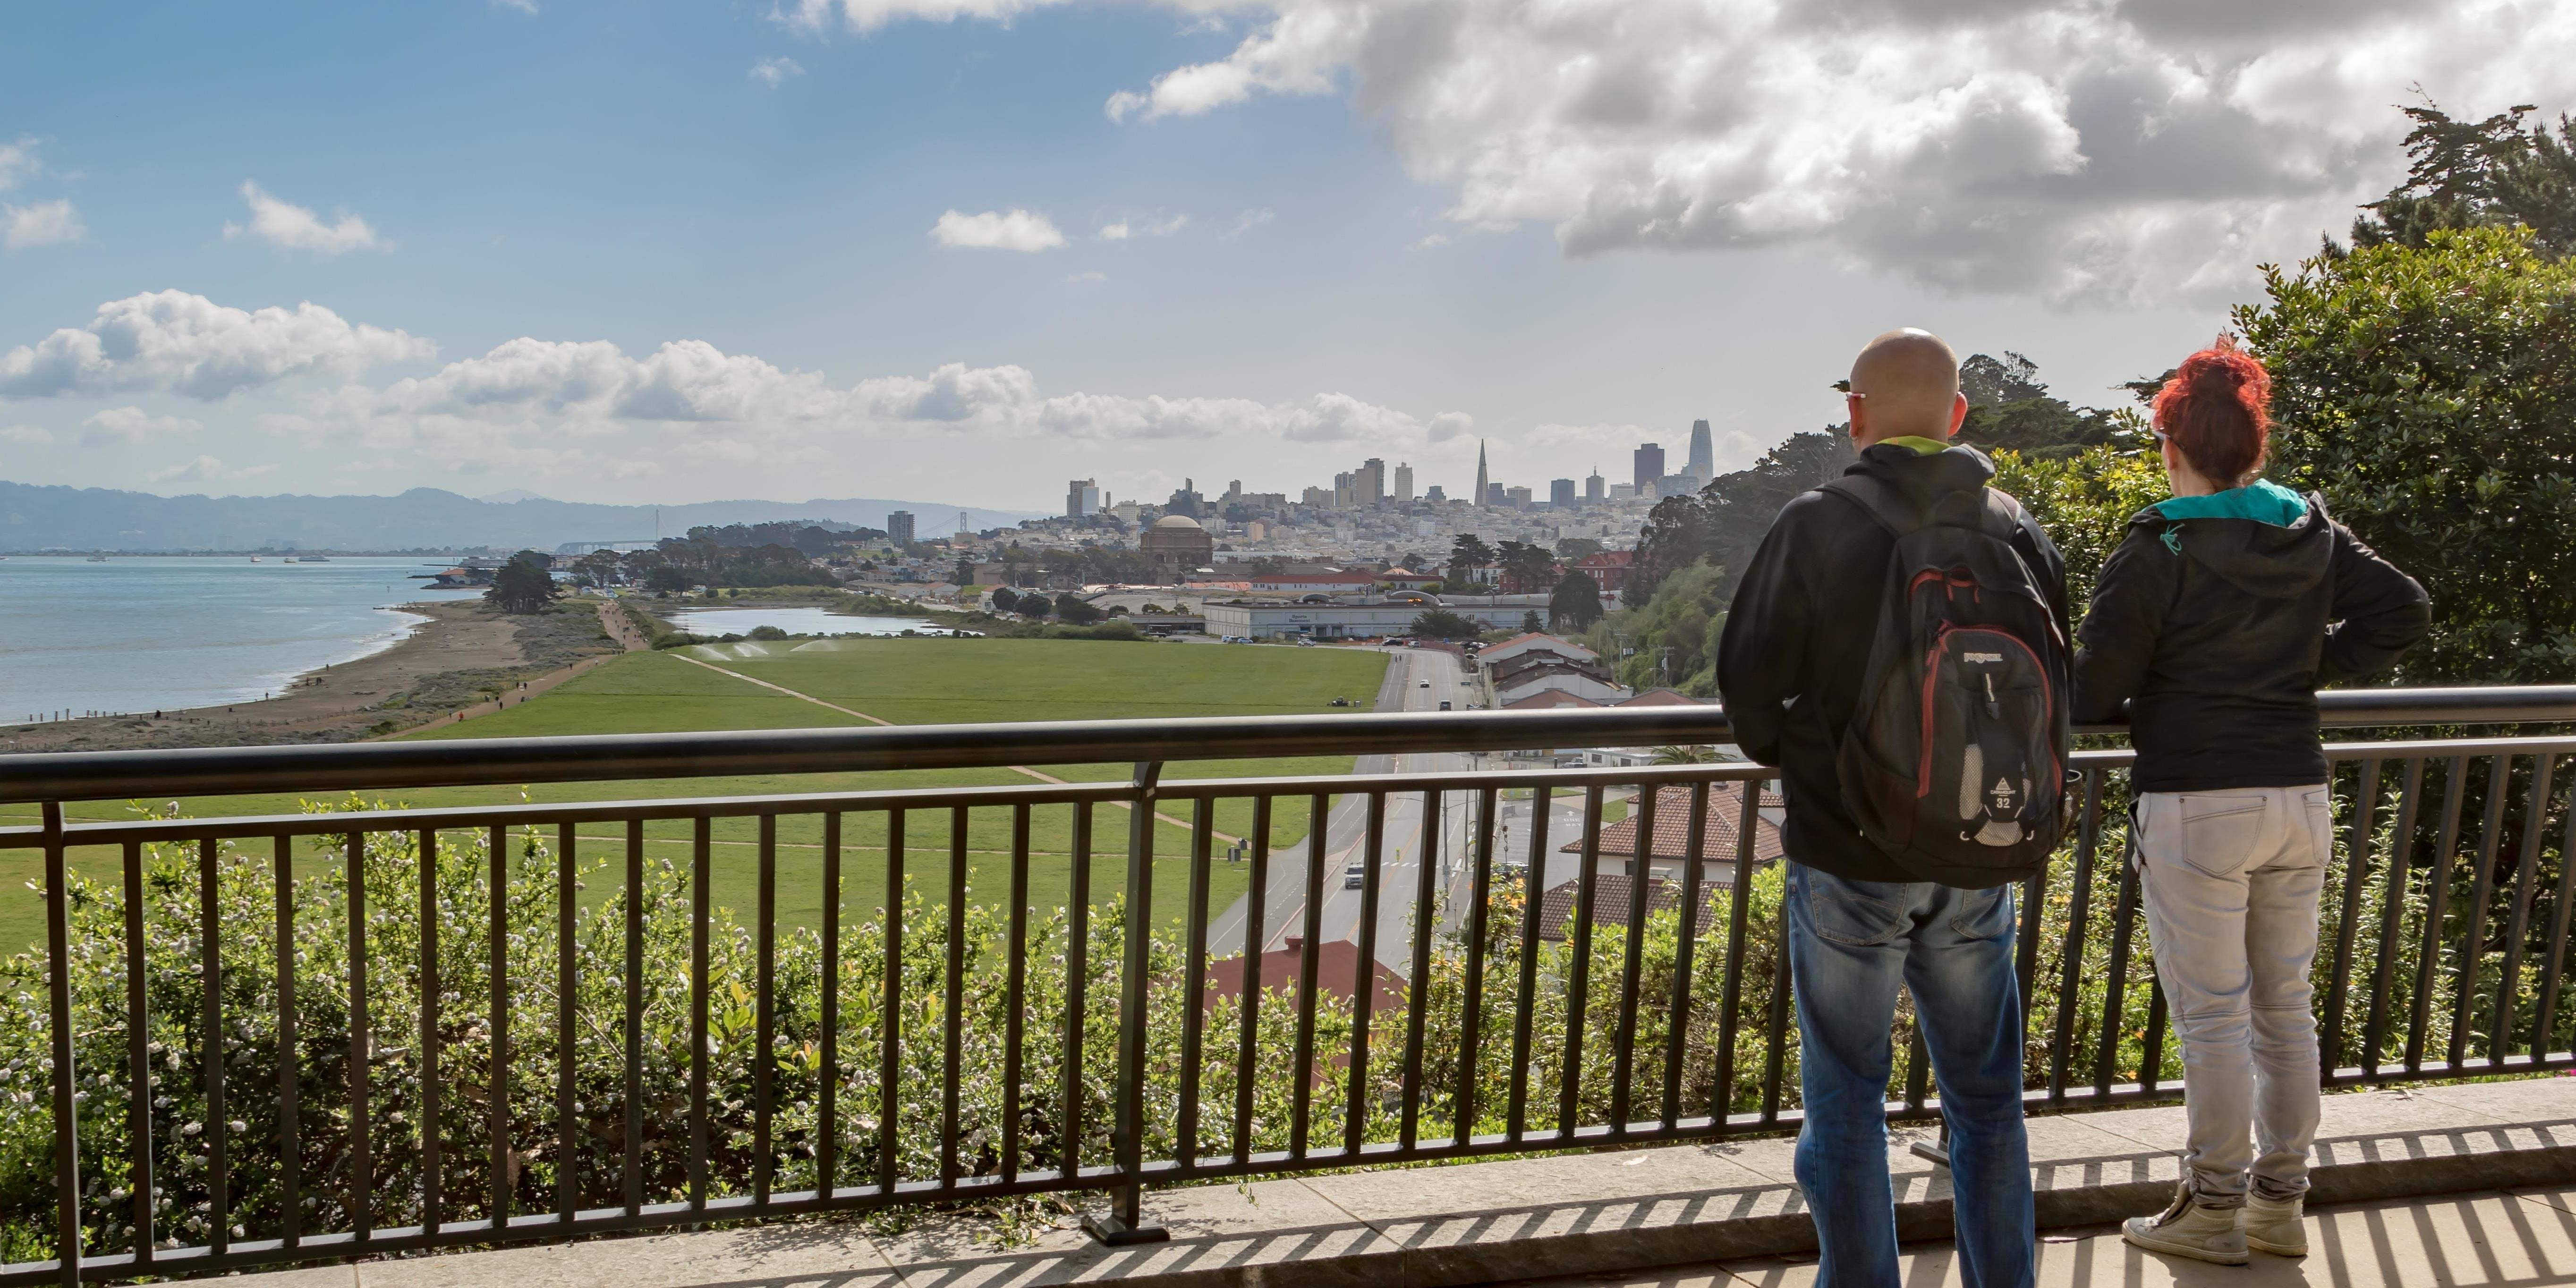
{"type": "Point", "coordinates": [1883, 504]}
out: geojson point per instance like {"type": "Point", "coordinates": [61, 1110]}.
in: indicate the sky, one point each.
{"type": "Point", "coordinates": [965, 250]}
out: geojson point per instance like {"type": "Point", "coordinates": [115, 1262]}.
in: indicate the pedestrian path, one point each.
{"type": "Point", "coordinates": [2499, 1239]}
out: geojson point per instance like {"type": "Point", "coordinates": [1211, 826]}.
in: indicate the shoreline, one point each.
{"type": "Point", "coordinates": [451, 660]}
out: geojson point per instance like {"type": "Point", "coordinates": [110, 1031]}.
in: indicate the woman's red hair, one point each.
{"type": "Point", "coordinates": [2215, 408]}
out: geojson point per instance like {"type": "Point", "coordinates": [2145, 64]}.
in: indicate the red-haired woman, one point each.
{"type": "Point", "coordinates": [2211, 627]}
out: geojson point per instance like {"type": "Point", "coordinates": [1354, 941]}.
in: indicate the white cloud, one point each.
{"type": "Point", "coordinates": [295, 227]}
{"type": "Point", "coordinates": [175, 342]}
{"type": "Point", "coordinates": [2067, 149]}
{"type": "Point", "coordinates": [1143, 227]}
{"type": "Point", "coordinates": [133, 425]}
{"type": "Point", "coordinates": [45, 223]}
{"type": "Point", "coordinates": [17, 163]}
{"type": "Point", "coordinates": [863, 16]}
{"type": "Point", "coordinates": [1246, 222]}
{"type": "Point", "coordinates": [1018, 230]}
{"type": "Point", "coordinates": [205, 469]}
{"type": "Point", "coordinates": [528, 7]}
{"type": "Point", "coordinates": [26, 435]}
{"type": "Point", "coordinates": [774, 72]}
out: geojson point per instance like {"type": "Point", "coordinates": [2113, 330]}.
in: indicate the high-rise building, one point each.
{"type": "Point", "coordinates": [1404, 480]}
{"type": "Point", "coordinates": [1368, 482]}
{"type": "Point", "coordinates": [1592, 486]}
{"type": "Point", "coordinates": [1317, 499]}
{"type": "Point", "coordinates": [1560, 494]}
{"type": "Point", "coordinates": [1496, 494]}
{"type": "Point", "coordinates": [1518, 497]}
{"type": "Point", "coordinates": [1345, 487]}
{"type": "Point", "coordinates": [1081, 497]}
{"type": "Point", "coordinates": [1484, 489]}
{"type": "Point", "coordinates": [1650, 465]}
{"type": "Point", "coordinates": [899, 527]}
{"type": "Point", "coordinates": [1435, 494]}
{"type": "Point", "coordinates": [1703, 454]}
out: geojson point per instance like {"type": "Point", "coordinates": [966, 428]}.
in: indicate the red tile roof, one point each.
{"type": "Point", "coordinates": [1611, 902]}
{"type": "Point", "coordinates": [1672, 827]}
{"type": "Point", "coordinates": [1548, 698]}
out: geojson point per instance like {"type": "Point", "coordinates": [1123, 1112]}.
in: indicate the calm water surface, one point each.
{"type": "Point", "coordinates": [145, 634]}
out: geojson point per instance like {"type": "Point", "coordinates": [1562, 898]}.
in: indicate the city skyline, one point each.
{"type": "Point", "coordinates": [662, 252]}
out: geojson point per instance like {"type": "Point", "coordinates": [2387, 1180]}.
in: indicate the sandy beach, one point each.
{"type": "Point", "coordinates": [447, 665]}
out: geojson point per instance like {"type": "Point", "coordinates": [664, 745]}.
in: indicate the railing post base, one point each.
{"type": "Point", "coordinates": [1118, 1234]}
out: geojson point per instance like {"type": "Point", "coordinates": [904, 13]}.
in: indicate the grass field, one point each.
{"type": "Point", "coordinates": [918, 681]}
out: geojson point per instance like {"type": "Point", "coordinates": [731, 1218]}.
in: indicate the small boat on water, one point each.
{"type": "Point", "coordinates": [98, 558]}
{"type": "Point", "coordinates": [254, 558]}
{"type": "Point", "coordinates": [317, 558]}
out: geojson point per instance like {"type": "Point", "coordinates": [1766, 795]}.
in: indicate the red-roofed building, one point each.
{"type": "Point", "coordinates": [1612, 901]}
{"type": "Point", "coordinates": [1336, 966]}
{"type": "Point", "coordinates": [1719, 840]}
{"type": "Point", "coordinates": [1610, 568]}
{"type": "Point", "coordinates": [1550, 700]}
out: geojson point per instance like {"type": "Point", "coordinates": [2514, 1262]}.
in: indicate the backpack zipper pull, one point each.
{"type": "Point", "coordinates": [1994, 707]}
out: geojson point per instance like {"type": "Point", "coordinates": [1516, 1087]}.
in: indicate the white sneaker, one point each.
{"type": "Point", "coordinates": [2275, 1226]}
{"type": "Point", "coordinates": [2188, 1229]}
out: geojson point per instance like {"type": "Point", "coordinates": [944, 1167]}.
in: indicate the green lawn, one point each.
{"type": "Point", "coordinates": [920, 681]}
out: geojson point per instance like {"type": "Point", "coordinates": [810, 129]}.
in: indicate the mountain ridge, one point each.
{"type": "Point", "coordinates": [37, 516]}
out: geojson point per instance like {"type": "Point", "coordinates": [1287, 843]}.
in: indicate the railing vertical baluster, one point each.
{"type": "Point", "coordinates": [1686, 934]}
{"type": "Point", "coordinates": [890, 1041]}
{"type": "Point", "coordinates": [2473, 929]}
{"type": "Point", "coordinates": [2392, 917]}
{"type": "Point", "coordinates": [138, 1060]}
{"type": "Point", "coordinates": [496, 1091]}
{"type": "Point", "coordinates": [2356, 871]}
{"type": "Point", "coordinates": [290, 1061]}
{"type": "Point", "coordinates": [1471, 1019]}
{"type": "Point", "coordinates": [2151, 1064]}
{"type": "Point", "coordinates": [1256, 937]}
{"type": "Point", "coordinates": [2544, 1017]}
{"type": "Point", "coordinates": [568, 1132]}
{"type": "Point", "coordinates": [2437, 899]}
{"type": "Point", "coordinates": [701, 864]}
{"type": "Point", "coordinates": [2535, 821]}
{"type": "Point", "coordinates": [432, 1159]}
{"type": "Point", "coordinates": [58, 1012]}
{"type": "Point", "coordinates": [1015, 991]}
{"type": "Point", "coordinates": [1739, 913]}
{"type": "Point", "coordinates": [2034, 903]}
{"type": "Point", "coordinates": [1125, 1221]}
{"type": "Point", "coordinates": [952, 1068]}
{"type": "Point", "coordinates": [2115, 982]}
{"type": "Point", "coordinates": [1185, 1132]}
{"type": "Point", "coordinates": [1364, 977]}
{"type": "Point", "coordinates": [1775, 1051]}
{"type": "Point", "coordinates": [362, 1050]}
{"type": "Point", "coordinates": [2070, 963]}
{"type": "Point", "coordinates": [1301, 1094]}
{"type": "Point", "coordinates": [1578, 985]}
{"type": "Point", "coordinates": [1641, 874]}
{"type": "Point", "coordinates": [210, 1029]}
{"type": "Point", "coordinates": [827, 1095]}
{"type": "Point", "coordinates": [1077, 987]}
{"type": "Point", "coordinates": [631, 1180]}
{"type": "Point", "coordinates": [1918, 1065]}
{"type": "Point", "coordinates": [1533, 901]}
{"type": "Point", "coordinates": [764, 1051]}
{"type": "Point", "coordinates": [1417, 986]}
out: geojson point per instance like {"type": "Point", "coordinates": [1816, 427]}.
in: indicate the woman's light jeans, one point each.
{"type": "Point", "coordinates": [2231, 880]}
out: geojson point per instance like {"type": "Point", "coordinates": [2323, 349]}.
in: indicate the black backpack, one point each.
{"type": "Point", "coordinates": [1954, 762]}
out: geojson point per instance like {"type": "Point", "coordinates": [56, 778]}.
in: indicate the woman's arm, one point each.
{"type": "Point", "coordinates": [2379, 612]}
{"type": "Point", "coordinates": [2121, 625]}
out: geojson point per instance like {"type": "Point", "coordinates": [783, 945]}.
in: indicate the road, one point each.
{"type": "Point", "coordinates": [1408, 672]}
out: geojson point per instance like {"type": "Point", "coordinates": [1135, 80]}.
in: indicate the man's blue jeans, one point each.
{"type": "Point", "coordinates": [1850, 944]}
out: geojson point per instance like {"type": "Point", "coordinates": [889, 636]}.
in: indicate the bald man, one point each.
{"type": "Point", "coordinates": [1791, 665]}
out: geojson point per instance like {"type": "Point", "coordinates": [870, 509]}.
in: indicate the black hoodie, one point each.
{"type": "Point", "coordinates": [1791, 663]}
{"type": "Point", "coordinates": [2215, 622]}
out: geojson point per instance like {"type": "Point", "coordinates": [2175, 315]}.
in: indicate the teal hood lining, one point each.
{"type": "Point", "coordinates": [2262, 501]}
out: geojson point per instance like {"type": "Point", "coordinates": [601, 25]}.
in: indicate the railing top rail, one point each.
{"type": "Point", "coordinates": [115, 775]}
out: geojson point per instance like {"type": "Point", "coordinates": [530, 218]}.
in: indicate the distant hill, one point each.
{"type": "Point", "coordinates": [33, 517]}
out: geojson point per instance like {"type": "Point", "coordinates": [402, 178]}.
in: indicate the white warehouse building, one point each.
{"type": "Point", "coordinates": [1364, 620]}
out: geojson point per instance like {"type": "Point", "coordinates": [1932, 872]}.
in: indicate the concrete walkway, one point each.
{"type": "Point", "coordinates": [2505, 1239]}
{"type": "Point", "coordinates": [1732, 1204]}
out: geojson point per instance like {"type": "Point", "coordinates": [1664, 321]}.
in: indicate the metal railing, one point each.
{"type": "Point", "coordinates": [272, 1037]}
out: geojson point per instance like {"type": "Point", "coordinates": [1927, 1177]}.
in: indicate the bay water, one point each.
{"type": "Point", "coordinates": [142, 633]}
